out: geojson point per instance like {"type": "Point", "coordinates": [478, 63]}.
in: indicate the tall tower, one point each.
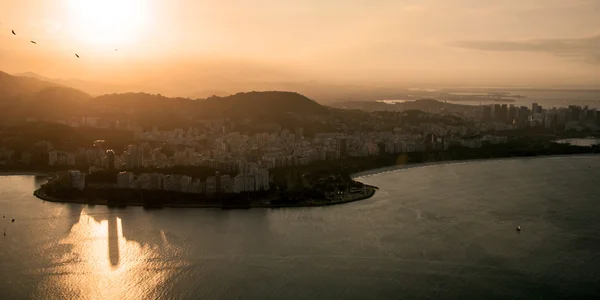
{"type": "Point", "coordinates": [110, 160]}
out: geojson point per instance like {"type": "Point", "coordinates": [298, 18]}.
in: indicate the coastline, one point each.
{"type": "Point", "coordinates": [381, 170]}
{"type": "Point", "coordinates": [40, 194]}
{"type": "Point", "coordinates": [25, 173]}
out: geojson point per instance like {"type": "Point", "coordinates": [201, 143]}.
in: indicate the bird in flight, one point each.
{"type": "Point", "coordinates": [14, 32]}
{"type": "Point", "coordinates": [33, 42]}
{"type": "Point", "coordinates": [77, 55]}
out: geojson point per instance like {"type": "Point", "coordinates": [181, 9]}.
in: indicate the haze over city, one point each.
{"type": "Point", "coordinates": [308, 149]}
{"type": "Point", "coordinates": [188, 48]}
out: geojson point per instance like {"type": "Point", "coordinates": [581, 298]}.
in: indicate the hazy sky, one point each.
{"type": "Point", "coordinates": [489, 42]}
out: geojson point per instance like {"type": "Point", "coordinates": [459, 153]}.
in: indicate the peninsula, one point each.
{"type": "Point", "coordinates": [253, 149]}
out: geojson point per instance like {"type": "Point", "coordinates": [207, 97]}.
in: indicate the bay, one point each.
{"type": "Point", "coordinates": [441, 231]}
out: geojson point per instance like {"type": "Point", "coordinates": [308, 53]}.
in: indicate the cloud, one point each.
{"type": "Point", "coordinates": [585, 49]}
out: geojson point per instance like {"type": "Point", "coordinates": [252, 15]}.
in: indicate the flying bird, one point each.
{"type": "Point", "coordinates": [33, 42]}
{"type": "Point", "coordinates": [14, 32]}
{"type": "Point", "coordinates": [77, 55]}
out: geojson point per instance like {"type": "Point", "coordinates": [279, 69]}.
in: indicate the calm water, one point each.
{"type": "Point", "coordinates": [433, 232]}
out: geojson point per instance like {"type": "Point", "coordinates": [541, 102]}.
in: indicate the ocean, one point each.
{"type": "Point", "coordinates": [443, 231]}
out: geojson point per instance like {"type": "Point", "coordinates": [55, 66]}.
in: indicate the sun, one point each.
{"type": "Point", "coordinates": [108, 22]}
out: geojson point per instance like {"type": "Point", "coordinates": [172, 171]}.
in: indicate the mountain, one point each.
{"type": "Point", "coordinates": [54, 103]}
{"type": "Point", "coordinates": [29, 96]}
{"type": "Point", "coordinates": [257, 104]}
{"type": "Point", "coordinates": [92, 88]}
{"type": "Point", "coordinates": [12, 87]}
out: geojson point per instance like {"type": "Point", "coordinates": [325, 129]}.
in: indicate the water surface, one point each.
{"type": "Point", "coordinates": [433, 232]}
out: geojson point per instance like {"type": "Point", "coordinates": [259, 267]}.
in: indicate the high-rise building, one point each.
{"type": "Point", "coordinates": [145, 181]}
{"type": "Point", "coordinates": [77, 179]}
{"type": "Point", "coordinates": [250, 186]}
{"type": "Point", "coordinates": [342, 147]}
{"type": "Point", "coordinates": [211, 185]}
{"type": "Point", "coordinates": [110, 159]}
{"type": "Point", "coordinates": [239, 183]}
{"type": "Point", "coordinates": [185, 182]}
{"type": "Point", "coordinates": [41, 153]}
{"type": "Point", "coordinates": [134, 157]}
{"type": "Point", "coordinates": [226, 184]}
{"type": "Point", "coordinates": [512, 114]}
{"type": "Point", "coordinates": [124, 179]}
{"type": "Point", "coordinates": [156, 182]}
{"type": "Point", "coordinates": [503, 113]}
{"type": "Point", "coordinates": [487, 113]}
{"type": "Point", "coordinates": [496, 114]}
{"type": "Point", "coordinates": [574, 113]}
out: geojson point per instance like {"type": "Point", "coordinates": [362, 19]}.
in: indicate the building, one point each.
{"type": "Point", "coordinates": [536, 108]}
{"type": "Point", "coordinates": [342, 146]}
{"type": "Point", "coordinates": [134, 157]}
{"type": "Point", "coordinates": [487, 113]}
{"type": "Point", "coordinates": [110, 159]}
{"type": "Point", "coordinates": [76, 179]}
{"type": "Point", "coordinates": [249, 186]}
{"type": "Point", "coordinates": [512, 114]}
{"type": "Point", "coordinates": [211, 185]}
{"type": "Point", "coordinates": [185, 182]}
{"type": "Point", "coordinates": [156, 182]}
{"type": "Point", "coordinates": [41, 153]}
{"type": "Point", "coordinates": [195, 186]}
{"type": "Point", "coordinates": [144, 181]}
{"type": "Point", "coordinates": [218, 179]}
{"type": "Point", "coordinates": [124, 180]}
{"type": "Point", "coordinates": [226, 184]}
{"type": "Point", "coordinates": [239, 183]}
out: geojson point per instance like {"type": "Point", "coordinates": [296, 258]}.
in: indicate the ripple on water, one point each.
{"type": "Point", "coordinates": [441, 231]}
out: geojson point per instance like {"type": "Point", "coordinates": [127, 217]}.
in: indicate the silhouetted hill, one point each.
{"type": "Point", "coordinates": [89, 87]}
{"type": "Point", "coordinates": [52, 103]}
{"type": "Point", "coordinates": [257, 104]}
{"type": "Point", "coordinates": [31, 97]}
{"type": "Point", "coordinates": [145, 107]}
{"type": "Point", "coordinates": [13, 87]}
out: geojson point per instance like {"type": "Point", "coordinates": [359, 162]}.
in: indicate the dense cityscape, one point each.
{"type": "Point", "coordinates": [236, 161]}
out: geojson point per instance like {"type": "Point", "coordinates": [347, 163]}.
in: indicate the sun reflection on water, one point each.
{"type": "Point", "coordinates": [103, 264]}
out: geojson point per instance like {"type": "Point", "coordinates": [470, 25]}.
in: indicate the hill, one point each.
{"type": "Point", "coordinates": [56, 102]}
{"type": "Point", "coordinates": [89, 87]}
{"type": "Point", "coordinates": [24, 96]}
{"type": "Point", "coordinates": [261, 104]}
{"type": "Point", "coordinates": [14, 87]}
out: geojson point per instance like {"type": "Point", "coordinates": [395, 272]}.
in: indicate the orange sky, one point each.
{"type": "Point", "coordinates": [527, 42]}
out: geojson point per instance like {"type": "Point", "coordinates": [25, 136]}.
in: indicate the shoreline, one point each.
{"type": "Point", "coordinates": [456, 161]}
{"type": "Point", "coordinates": [25, 173]}
{"type": "Point", "coordinates": [356, 176]}
{"type": "Point", "coordinates": [39, 193]}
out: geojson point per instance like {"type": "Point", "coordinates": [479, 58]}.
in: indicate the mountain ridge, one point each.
{"type": "Point", "coordinates": [34, 97]}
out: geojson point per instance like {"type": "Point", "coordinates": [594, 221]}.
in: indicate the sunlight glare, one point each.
{"type": "Point", "coordinates": [108, 22]}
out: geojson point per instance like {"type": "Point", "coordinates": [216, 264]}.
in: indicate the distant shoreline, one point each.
{"type": "Point", "coordinates": [456, 161]}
